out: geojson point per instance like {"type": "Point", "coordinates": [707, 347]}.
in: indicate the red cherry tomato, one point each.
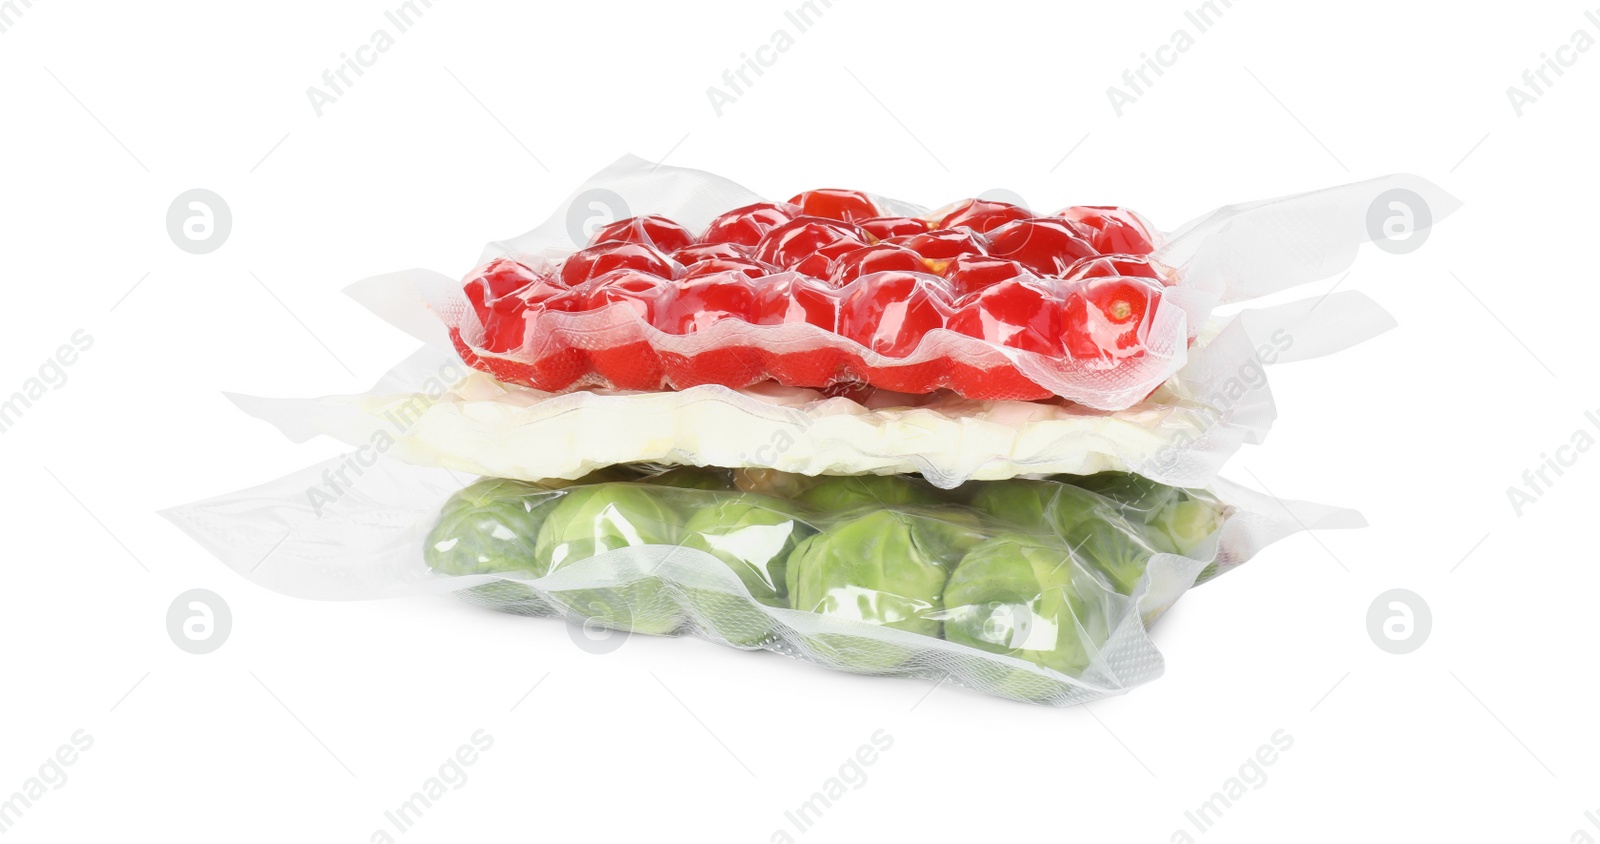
{"type": "Point", "coordinates": [1018, 313]}
{"type": "Point", "coordinates": [499, 278]}
{"type": "Point", "coordinates": [802, 237]}
{"type": "Point", "coordinates": [982, 215]}
{"type": "Point", "coordinates": [747, 225]}
{"type": "Point", "coordinates": [894, 311]}
{"type": "Point", "coordinates": [1115, 229]}
{"type": "Point", "coordinates": [595, 261]}
{"type": "Point", "coordinates": [506, 329]}
{"type": "Point", "coordinates": [704, 251]}
{"type": "Point", "coordinates": [1110, 266]}
{"type": "Point", "coordinates": [941, 246]}
{"type": "Point", "coordinates": [713, 266]}
{"type": "Point", "coordinates": [796, 300]}
{"type": "Point", "coordinates": [630, 364]}
{"type": "Point", "coordinates": [883, 228]}
{"type": "Point", "coordinates": [877, 258]}
{"type": "Point", "coordinates": [702, 301]}
{"type": "Point", "coordinates": [1108, 318]}
{"type": "Point", "coordinates": [816, 265]}
{"type": "Point", "coordinates": [969, 274]}
{"type": "Point", "coordinates": [835, 204]}
{"type": "Point", "coordinates": [659, 232]}
{"type": "Point", "coordinates": [644, 293]}
{"type": "Point", "coordinates": [793, 299]}
{"type": "Point", "coordinates": [1046, 246]}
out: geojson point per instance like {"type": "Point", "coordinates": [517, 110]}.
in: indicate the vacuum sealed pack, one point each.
{"type": "Point", "coordinates": [1040, 590]}
{"type": "Point", "coordinates": [708, 284]}
{"type": "Point", "coordinates": [978, 444]}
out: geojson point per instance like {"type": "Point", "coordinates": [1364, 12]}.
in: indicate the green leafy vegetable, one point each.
{"type": "Point", "coordinates": [489, 527]}
{"type": "Point", "coordinates": [753, 536]}
{"type": "Point", "coordinates": [592, 520]}
{"type": "Point", "coordinates": [1021, 597]}
{"type": "Point", "coordinates": [1039, 507]}
{"type": "Point", "coordinates": [886, 568]}
{"type": "Point", "coordinates": [837, 494]}
{"type": "Point", "coordinates": [1113, 548]}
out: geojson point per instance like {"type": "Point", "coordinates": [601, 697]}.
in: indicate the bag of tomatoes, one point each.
{"type": "Point", "coordinates": [691, 280]}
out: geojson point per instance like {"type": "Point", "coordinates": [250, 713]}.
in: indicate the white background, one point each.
{"type": "Point", "coordinates": [313, 719]}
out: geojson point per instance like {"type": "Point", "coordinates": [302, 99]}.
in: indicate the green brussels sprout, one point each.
{"type": "Point", "coordinates": [1185, 522]}
{"type": "Point", "coordinates": [489, 527]}
{"type": "Point", "coordinates": [886, 568]}
{"type": "Point", "coordinates": [1018, 501]}
{"type": "Point", "coordinates": [1113, 548]}
{"type": "Point", "coordinates": [1018, 596]}
{"type": "Point", "coordinates": [592, 520]}
{"type": "Point", "coordinates": [1170, 519]}
{"type": "Point", "coordinates": [753, 536]}
{"type": "Point", "coordinates": [1134, 492]}
{"type": "Point", "coordinates": [1039, 507]}
{"type": "Point", "coordinates": [838, 493]}
{"type": "Point", "coordinates": [693, 477]}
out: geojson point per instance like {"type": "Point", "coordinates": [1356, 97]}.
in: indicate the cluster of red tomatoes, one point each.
{"type": "Point", "coordinates": [1075, 285]}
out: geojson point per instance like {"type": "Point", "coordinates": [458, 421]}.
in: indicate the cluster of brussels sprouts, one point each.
{"type": "Point", "coordinates": [1027, 568]}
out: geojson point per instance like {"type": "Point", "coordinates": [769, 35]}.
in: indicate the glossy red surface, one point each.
{"type": "Point", "coordinates": [747, 225]}
{"type": "Point", "coordinates": [1115, 229]}
{"type": "Point", "coordinates": [1017, 313]}
{"type": "Point", "coordinates": [803, 237]}
{"type": "Point", "coordinates": [1107, 317]}
{"type": "Point", "coordinates": [982, 215]}
{"type": "Point", "coordinates": [835, 204]}
{"type": "Point", "coordinates": [1107, 266]}
{"type": "Point", "coordinates": [659, 232]}
{"type": "Point", "coordinates": [596, 261]}
{"type": "Point", "coordinates": [747, 266]}
{"type": "Point", "coordinates": [969, 274]}
{"type": "Point", "coordinates": [708, 299]}
{"type": "Point", "coordinates": [883, 228]}
{"type": "Point", "coordinates": [892, 315]}
{"type": "Point", "coordinates": [877, 258]}
{"type": "Point", "coordinates": [1045, 246]}
{"type": "Point", "coordinates": [852, 304]}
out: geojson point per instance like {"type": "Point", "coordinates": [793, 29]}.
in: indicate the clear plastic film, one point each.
{"type": "Point", "coordinates": [1034, 590]}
